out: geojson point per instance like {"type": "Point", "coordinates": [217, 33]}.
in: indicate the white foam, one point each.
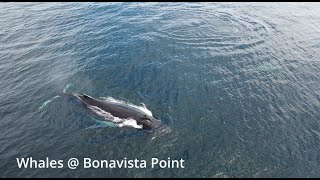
{"type": "Point", "coordinates": [130, 123]}
{"type": "Point", "coordinates": [47, 102]}
{"type": "Point", "coordinates": [121, 122]}
{"type": "Point", "coordinates": [67, 87]}
{"type": "Point", "coordinates": [142, 107]}
{"type": "Point", "coordinates": [106, 115]}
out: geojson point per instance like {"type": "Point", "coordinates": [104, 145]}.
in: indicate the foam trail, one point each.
{"type": "Point", "coordinates": [67, 87]}
{"type": "Point", "coordinates": [47, 102]}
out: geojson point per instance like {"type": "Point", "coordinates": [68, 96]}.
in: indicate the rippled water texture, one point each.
{"type": "Point", "coordinates": [238, 83]}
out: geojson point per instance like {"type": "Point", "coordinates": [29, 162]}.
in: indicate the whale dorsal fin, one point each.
{"type": "Point", "coordinates": [86, 96]}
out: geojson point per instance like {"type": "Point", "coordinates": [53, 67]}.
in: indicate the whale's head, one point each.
{"type": "Point", "coordinates": [155, 126]}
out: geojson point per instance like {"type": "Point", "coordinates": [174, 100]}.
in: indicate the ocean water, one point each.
{"type": "Point", "coordinates": [238, 83]}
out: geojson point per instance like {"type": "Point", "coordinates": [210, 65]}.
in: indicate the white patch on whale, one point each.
{"type": "Point", "coordinates": [130, 123]}
{"type": "Point", "coordinates": [142, 108]}
{"type": "Point", "coordinates": [121, 122]}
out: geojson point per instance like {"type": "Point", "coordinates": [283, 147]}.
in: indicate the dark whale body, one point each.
{"type": "Point", "coordinates": [125, 111]}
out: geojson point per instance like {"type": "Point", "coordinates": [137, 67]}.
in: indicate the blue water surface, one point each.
{"type": "Point", "coordinates": [238, 83]}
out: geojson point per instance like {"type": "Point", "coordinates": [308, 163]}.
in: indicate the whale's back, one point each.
{"type": "Point", "coordinates": [116, 109]}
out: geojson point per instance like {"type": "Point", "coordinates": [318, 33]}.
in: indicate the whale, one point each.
{"type": "Point", "coordinates": [123, 114]}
